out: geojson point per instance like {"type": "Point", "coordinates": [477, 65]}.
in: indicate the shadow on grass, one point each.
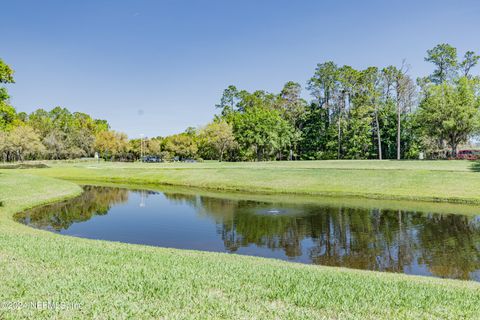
{"type": "Point", "coordinates": [24, 166]}
{"type": "Point", "coordinates": [475, 166]}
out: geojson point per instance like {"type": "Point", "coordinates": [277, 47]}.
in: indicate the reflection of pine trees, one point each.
{"type": "Point", "coordinates": [180, 198]}
{"type": "Point", "coordinates": [449, 245]}
{"type": "Point", "coordinates": [58, 216]}
{"type": "Point", "coordinates": [239, 225]}
{"type": "Point", "coordinates": [360, 239]}
{"type": "Point", "coordinates": [272, 232]}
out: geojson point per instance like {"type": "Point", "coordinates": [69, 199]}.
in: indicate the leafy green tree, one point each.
{"type": "Point", "coordinates": [111, 144]}
{"type": "Point", "coordinates": [54, 142]}
{"type": "Point", "coordinates": [469, 61]}
{"type": "Point", "coordinates": [323, 84]}
{"type": "Point", "coordinates": [151, 147]}
{"type": "Point", "coordinates": [41, 121]}
{"type": "Point", "coordinates": [444, 57]}
{"type": "Point", "coordinates": [6, 73]}
{"type": "Point", "coordinates": [293, 109]}
{"type": "Point", "coordinates": [217, 136]}
{"type": "Point", "coordinates": [259, 121]}
{"type": "Point", "coordinates": [291, 103]}
{"type": "Point", "coordinates": [154, 146]}
{"type": "Point", "coordinates": [450, 112]}
{"type": "Point", "coordinates": [387, 122]}
{"type": "Point", "coordinates": [261, 132]}
{"type": "Point", "coordinates": [370, 87]}
{"type": "Point", "coordinates": [135, 148]}
{"type": "Point", "coordinates": [182, 145]}
{"type": "Point", "coordinates": [7, 113]}
{"type": "Point", "coordinates": [229, 100]}
{"type": "Point", "coordinates": [66, 134]}
{"type": "Point", "coordinates": [3, 146]}
{"type": "Point", "coordinates": [4, 95]}
{"type": "Point", "coordinates": [358, 134]}
{"type": "Point", "coordinates": [348, 79]}
{"type": "Point", "coordinates": [165, 155]}
{"type": "Point", "coordinates": [315, 136]}
{"type": "Point", "coordinates": [258, 98]}
{"type": "Point", "coordinates": [20, 144]}
{"type": "Point", "coordinates": [101, 125]}
{"type": "Point", "coordinates": [399, 89]}
{"type": "Point", "coordinates": [80, 143]}
{"type": "Point", "coordinates": [8, 116]}
{"type": "Point", "coordinates": [62, 118]}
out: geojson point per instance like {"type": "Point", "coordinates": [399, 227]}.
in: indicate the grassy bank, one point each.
{"type": "Point", "coordinates": [115, 280]}
{"type": "Point", "coordinates": [296, 199]}
{"type": "Point", "coordinates": [446, 181]}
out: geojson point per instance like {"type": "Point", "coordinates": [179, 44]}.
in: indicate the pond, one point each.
{"type": "Point", "coordinates": [411, 242]}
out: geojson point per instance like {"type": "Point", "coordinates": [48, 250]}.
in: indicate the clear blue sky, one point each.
{"type": "Point", "coordinates": [157, 67]}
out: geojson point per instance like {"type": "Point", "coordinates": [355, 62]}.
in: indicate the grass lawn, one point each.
{"type": "Point", "coordinates": [115, 280]}
{"type": "Point", "coordinates": [447, 181]}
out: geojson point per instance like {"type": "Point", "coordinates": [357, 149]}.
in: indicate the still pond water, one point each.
{"type": "Point", "coordinates": [441, 245]}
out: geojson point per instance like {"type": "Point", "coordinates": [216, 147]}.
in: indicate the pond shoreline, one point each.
{"type": "Point", "coordinates": [318, 231]}
{"type": "Point", "coordinates": [435, 182]}
{"type": "Point", "coordinates": [71, 269]}
{"type": "Point", "coordinates": [331, 194]}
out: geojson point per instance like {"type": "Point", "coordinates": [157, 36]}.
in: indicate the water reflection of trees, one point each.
{"type": "Point", "coordinates": [451, 245]}
{"type": "Point", "coordinates": [58, 216]}
{"type": "Point", "coordinates": [446, 245]}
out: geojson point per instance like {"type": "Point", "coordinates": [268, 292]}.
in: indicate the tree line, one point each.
{"type": "Point", "coordinates": [374, 113]}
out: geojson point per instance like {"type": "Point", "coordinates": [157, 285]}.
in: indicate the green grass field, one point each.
{"type": "Point", "coordinates": [448, 181]}
{"type": "Point", "coordinates": [118, 281]}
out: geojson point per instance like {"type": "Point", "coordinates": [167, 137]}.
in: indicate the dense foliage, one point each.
{"type": "Point", "coordinates": [375, 113]}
